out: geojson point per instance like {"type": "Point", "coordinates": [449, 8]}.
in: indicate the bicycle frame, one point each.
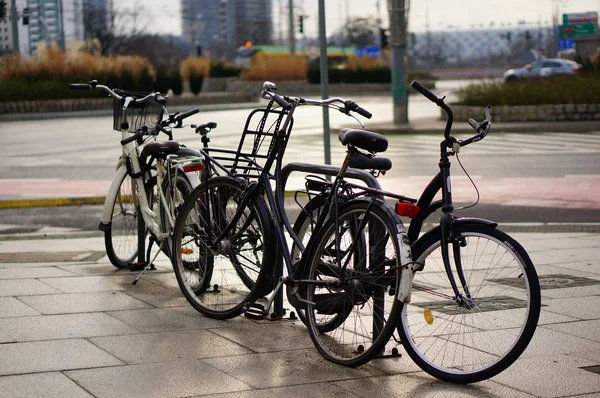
{"type": "Point", "coordinates": [129, 163]}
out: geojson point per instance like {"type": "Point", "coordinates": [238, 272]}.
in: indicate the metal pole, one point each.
{"type": "Point", "coordinates": [14, 26]}
{"type": "Point", "coordinates": [291, 31]}
{"type": "Point", "coordinates": [398, 12]}
{"type": "Point", "coordinates": [324, 80]}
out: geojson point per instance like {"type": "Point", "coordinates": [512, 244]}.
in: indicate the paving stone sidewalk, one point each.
{"type": "Point", "coordinates": [71, 325]}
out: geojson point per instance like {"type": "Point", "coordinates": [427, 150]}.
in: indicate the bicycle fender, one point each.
{"type": "Point", "coordinates": [459, 221]}
{"type": "Point", "coordinates": [112, 195]}
{"type": "Point", "coordinates": [407, 269]}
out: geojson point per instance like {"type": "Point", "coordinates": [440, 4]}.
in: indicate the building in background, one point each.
{"type": "Point", "coordinates": [45, 23]}
{"type": "Point", "coordinates": [219, 27]}
{"type": "Point", "coordinates": [93, 18]}
{"type": "Point", "coordinates": [516, 44]}
{"type": "Point", "coordinates": [9, 34]}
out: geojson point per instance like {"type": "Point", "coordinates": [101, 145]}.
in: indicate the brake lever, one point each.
{"type": "Point", "coordinates": [483, 127]}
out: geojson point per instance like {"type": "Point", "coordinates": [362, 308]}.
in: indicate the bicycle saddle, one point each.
{"type": "Point", "coordinates": [365, 162]}
{"type": "Point", "coordinates": [363, 139]}
{"type": "Point", "coordinates": [158, 149]}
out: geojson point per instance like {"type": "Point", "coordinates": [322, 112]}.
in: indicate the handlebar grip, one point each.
{"type": "Point", "coordinates": [79, 86]}
{"type": "Point", "coordinates": [428, 94]}
{"type": "Point", "coordinates": [187, 114]}
{"type": "Point", "coordinates": [129, 139]}
{"type": "Point", "coordinates": [282, 102]}
{"type": "Point", "coordinates": [363, 112]}
{"type": "Point", "coordinates": [353, 106]}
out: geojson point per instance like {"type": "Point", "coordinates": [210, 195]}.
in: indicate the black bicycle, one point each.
{"type": "Point", "coordinates": [475, 297]}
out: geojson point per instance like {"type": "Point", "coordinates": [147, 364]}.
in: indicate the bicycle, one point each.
{"type": "Point", "coordinates": [151, 180]}
{"type": "Point", "coordinates": [438, 328]}
{"type": "Point", "coordinates": [234, 224]}
{"type": "Point", "coordinates": [476, 295]}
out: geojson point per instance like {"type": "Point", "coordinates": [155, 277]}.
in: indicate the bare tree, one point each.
{"type": "Point", "coordinates": [113, 30]}
{"type": "Point", "coordinates": [359, 32]}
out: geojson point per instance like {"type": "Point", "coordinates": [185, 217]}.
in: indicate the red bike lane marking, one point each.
{"type": "Point", "coordinates": [573, 192]}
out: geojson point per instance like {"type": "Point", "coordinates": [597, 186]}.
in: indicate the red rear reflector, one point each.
{"type": "Point", "coordinates": [407, 209]}
{"type": "Point", "coordinates": [193, 167]}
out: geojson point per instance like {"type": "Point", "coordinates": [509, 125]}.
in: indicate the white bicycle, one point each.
{"type": "Point", "coordinates": [152, 178]}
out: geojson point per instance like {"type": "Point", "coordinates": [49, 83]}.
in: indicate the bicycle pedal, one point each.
{"type": "Point", "coordinates": [255, 311]}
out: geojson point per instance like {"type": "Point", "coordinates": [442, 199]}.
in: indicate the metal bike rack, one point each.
{"type": "Point", "coordinates": [324, 169]}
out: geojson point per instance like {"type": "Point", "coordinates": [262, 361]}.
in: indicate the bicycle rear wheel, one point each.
{"type": "Point", "coordinates": [303, 227]}
{"type": "Point", "coordinates": [477, 339]}
{"type": "Point", "coordinates": [240, 266]}
{"type": "Point", "coordinates": [354, 281]}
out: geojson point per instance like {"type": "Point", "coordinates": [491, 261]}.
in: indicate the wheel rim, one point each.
{"type": "Point", "coordinates": [458, 340]}
{"type": "Point", "coordinates": [231, 267]}
{"type": "Point", "coordinates": [124, 224]}
{"type": "Point", "coordinates": [361, 306]}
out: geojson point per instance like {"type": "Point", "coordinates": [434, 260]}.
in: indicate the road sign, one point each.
{"type": "Point", "coordinates": [374, 52]}
{"type": "Point", "coordinates": [581, 29]}
{"type": "Point", "coordinates": [565, 44]}
{"type": "Point", "coordinates": [581, 17]}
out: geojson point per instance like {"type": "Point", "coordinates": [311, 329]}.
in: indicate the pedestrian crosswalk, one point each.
{"type": "Point", "coordinates": [310, 148]}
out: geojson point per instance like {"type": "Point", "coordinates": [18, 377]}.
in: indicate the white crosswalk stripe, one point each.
{"type": "Point", "coordinates": [510, 143]}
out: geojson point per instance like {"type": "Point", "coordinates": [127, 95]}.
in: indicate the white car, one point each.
{"type": "Point", "coordinates": [543, 67]}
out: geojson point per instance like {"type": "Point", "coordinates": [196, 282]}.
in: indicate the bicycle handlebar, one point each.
{"type": "Point", "coordinates": [353, 106]}
{"type": "Point", "coordinates": [79, 86]}
{"type": "Point", "coordinates": [178, 118]}
{"type": "Point", "coordinates": [288, 103]}
{"type": "Point", "coordinates": [93, 84]}
{"type": "Point", "coordinates": [426, 93]}
{"type": "Point", "coordinates": [277, 98]}
{"type": "Point", "coordinates": [482, 128]}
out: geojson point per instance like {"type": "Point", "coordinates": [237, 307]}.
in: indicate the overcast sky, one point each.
{"type": "Point", "coordinates": [438, 14]}
{"type": "Point", "coordinates": [163, 16]}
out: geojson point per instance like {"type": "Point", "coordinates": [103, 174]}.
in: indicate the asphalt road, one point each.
{"type": "Point", "coordinates": [86, 148]}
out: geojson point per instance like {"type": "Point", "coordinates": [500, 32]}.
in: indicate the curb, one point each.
{"type": "Point", "coordinates": [76, 201]}
{"type": "Point", "coordinates": [510, 228]}
{"type": "Point", "coordinates": [10, 117]}
{"type": "Point", "coordinates": [53, 202]}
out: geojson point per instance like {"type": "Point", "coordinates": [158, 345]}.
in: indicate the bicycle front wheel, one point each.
{"type": "Point", "coordinates": [176, 195]}
{"type": "Point", "coordinates": [353, 274]}
{"type": "Point", "coordinates": [121, 235]}
{"type": "Point", "coordinates": [478, 336]}
{"type": "Point", "coordinates": [237, 267]}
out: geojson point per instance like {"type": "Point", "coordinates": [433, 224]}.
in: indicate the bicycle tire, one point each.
{"type": "Point", "coordinates": [121, 235]}
{"type": "Point", "coordinates": [184, 187]}
{"type": "Point", "coordinates": [366, 300]}
{"type": "Point", "coordinates": [444, 338]}
{"type": "Point", "coordinates": [303, 227]}
{"type": "Point", "coordinates": [240, 266]}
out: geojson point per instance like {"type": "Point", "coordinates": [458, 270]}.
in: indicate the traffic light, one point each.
{"type": "Point", "coordinates": [508, 36]}
{"type": "Point", "coordinates": [301, 23]}
{"type": "Point", "coordinates": [26, 14]}
{"type": "Point", "coordinates": [383, 38]}
{"type": "Point", "coordinates": [2, 10]}
{"type": "Point", "coordinates": [527, 35]}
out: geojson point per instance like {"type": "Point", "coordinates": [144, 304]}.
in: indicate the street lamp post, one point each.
{"type": "Point", "coordinates": [398, 12]}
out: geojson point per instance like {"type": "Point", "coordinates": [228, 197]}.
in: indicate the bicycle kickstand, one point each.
{"type": "Point", "coordinates": [150, 263]}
